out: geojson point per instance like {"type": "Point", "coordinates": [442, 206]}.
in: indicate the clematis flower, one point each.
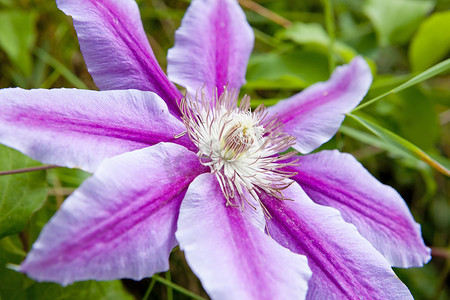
{"type": "Point", "coordinates": [202, 172]}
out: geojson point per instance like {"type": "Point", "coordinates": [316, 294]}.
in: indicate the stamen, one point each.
{"type": "Point", "coordinates": [177, 136]}
{"type": "Point", "coordinates": [239, 146]}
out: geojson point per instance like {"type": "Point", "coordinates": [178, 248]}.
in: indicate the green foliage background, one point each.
{"type": "Point", "coordinates": [403, 138]}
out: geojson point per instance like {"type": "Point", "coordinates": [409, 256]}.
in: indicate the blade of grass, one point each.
{"type": "Point", "coordinates": [50, 80]}
{"type": "Point", "coordinates": [177, 288]}
{"type": "Point", "coordinates": [59, 67]}
{"type": "Point", "coordinates": [150, 288]}
{"type": "Point", "coordinates": [400, 143]}
{"type": "Point", "coordinates": [433, 71]}
{"type": "Point", "coordinates": [169, 288]}
{"type": "Point", "coordinates": [372, 140]}
{"type": "Point", "coordinates": [329, 22]}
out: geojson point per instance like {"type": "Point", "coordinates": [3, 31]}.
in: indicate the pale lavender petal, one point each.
{"type": "Point", "coordinates": [120, 223]}
{"type": "Point", "coordinates": [80, 128]}
{"type": "Point", "coordinates": [212, 47]}
{"type": "Point", "coordinates": [338, 180]}
{"type": "Point", "coordinates": [314, 115]}
{"type": "Point", "coordinates": [115, 47]}
{"type": "Point", "coordinates": [233, 258]}
{"type": "Point", "coordinates": [344, 264]}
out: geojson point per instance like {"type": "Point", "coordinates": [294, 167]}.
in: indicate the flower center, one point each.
{"type": "Point", "coordinates": [240, 146]}
{"type": "Point", "coordinates": [241, 135]}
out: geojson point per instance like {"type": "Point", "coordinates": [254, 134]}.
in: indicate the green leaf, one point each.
{"type": "Point", "coordinates": [20, 194]}
{"type": "Point", "coordinates": [423, 281]}
{"type": "Point", "coordinates": [17, 37]}
{"type": "Point", "coordinates": [433, 71]}
{"type": "Point", "coordinates": [18, 286]}
{"type": "Point", "coordinates": [7, 2]}
{"type": "Point", "coordinates": [313, 34]}
{"type": "Point", "coordinates": [396, 20]}
{"type": "Point", "coordinates": [401, 144]}
{"type": "Point", "coordinates": [12, 282]}
{"type": "Point", "coordinates": [431, 43]}
{"type": "Point", "coordinates": [292, 70]}
{"type": "Point", "coordinates": [418, 121]}
{"type": "Point", "coordinates": [87, 290]}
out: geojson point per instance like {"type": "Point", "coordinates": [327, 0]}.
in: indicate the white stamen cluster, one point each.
{"type": "Point", "coordinates": [241, 147]}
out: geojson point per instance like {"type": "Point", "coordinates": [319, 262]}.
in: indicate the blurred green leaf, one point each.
{"type": "Point", "coordinates": [88, 290]}
{"type": "Point", "coordinates": [17, 37]}
{"type": "Point", "coordinates": [292, 70]}
{"type": "Point", "coordinates": [401, 144]}
{"type": "Point", "coordinates": [422, 281]}
{"type": "Point", "coordinates": [70, 177]}
{"type": "Point", "coordinates": [313, 34]}
{"type": "Point", "coordinates": [20, 194]}
{"type": "Point", "coordinates": [17, 286]}
{"type": "Point", "coordinates": [431, 43]}
{"type": "Point", "coordinates": [12, 282]}
{"type": "Point", "coordinates": [418, 121]}
{"type": "Point", "coordinates": [6, 2]}
{"type": "Point", "coordinates": [396, 20]}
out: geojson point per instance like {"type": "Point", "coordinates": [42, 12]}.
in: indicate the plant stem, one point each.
{"type": "Point", "coordinates": [25, 170]}
{"type": "Point", "coordinates": [274, 17]}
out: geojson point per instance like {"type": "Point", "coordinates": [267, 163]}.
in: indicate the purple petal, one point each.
{"type": "Point", "coordinates": [344, 264]}
{"type": "Point", "coordinates": [233, 258]}
{"type": "Point", "coordinates": [116, 49]}
{"type": "Point", "coordinates": [80, 128]}
{"type": "Point", "coordinates": [212, 47]}
{"type": "Point", "coordinates": [314, 115]}
{"type": "Point", "coordinates": [338, 180]}
{"type": "Point", "coordinates": [120, 223]}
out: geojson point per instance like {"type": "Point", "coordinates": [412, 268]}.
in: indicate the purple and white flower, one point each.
{"type": "Point", "coordinates": [204, 173]}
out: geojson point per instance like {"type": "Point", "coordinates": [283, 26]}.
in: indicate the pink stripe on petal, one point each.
{"type": "Point", "coordinates": [344, 264]}
{"type": "Point", "coordinates": [212, 47]}
{"type": "Point", "coordinates": [120, 223]}
{"type": "Point", "coordinates": [233, 258]}
{"type": "Point", "coordinates": [338, 180]}
{"type": "Point", "coordinates": [116, 49]}
{"type": "Point", "coordinates": [80, 128]}
{"type": "Point", "coordinates": [314, 115]}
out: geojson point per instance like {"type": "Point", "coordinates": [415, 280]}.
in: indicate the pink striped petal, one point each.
{"type": "Point", "coordinates": [212, 47]}
{"type": "Point", "coordinates": [338, 180]}
{"type": "Point", "coordinates": [233, 258]}
{"type": "Point", "coordinates": [80, 128]}
{"type": "Point", "coordinates": [115, 47]}
{"type": "Point", "coordinates": [120, 223]}
{"type": "Point", "coordinates": [314, 115]}
{"type": "Point", "coordinates": [344, 264]}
